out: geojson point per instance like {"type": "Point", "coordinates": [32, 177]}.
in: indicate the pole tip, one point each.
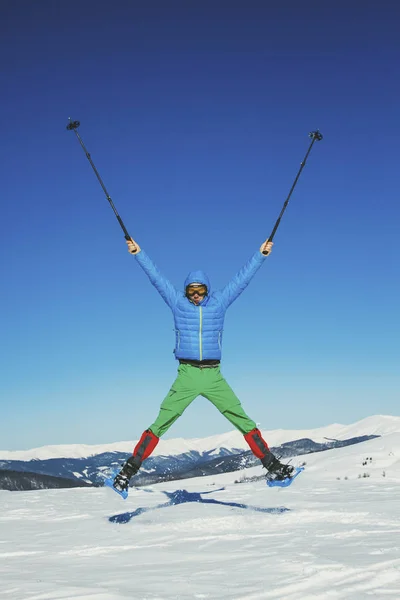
{"type": "Point", "coordinates": [72, 125]}
{"type": "Point", "coordinates": [316, 135]}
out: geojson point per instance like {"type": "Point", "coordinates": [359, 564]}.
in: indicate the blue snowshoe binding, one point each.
{"type": "Point", "coordinates": [120, 483]}
{"type": "Point", "coordinates": [283, 479]}
{"type": "Point", "coordinates": [279, 475]}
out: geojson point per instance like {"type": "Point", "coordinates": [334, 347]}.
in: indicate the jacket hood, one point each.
{"type": "Point", "coordinates": [198, 277]}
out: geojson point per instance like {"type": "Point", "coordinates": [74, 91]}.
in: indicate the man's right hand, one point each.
{"type": "Point", "coordinates": [133, 247]}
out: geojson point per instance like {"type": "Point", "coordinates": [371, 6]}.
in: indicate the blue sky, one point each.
{"type": "Point", "coordinates": [197, 117]}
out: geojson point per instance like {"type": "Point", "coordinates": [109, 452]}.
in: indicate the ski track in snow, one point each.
{"type": "Point", "coordinates": [340, 539]}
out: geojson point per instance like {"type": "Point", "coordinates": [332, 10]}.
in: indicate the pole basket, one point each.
{"type": "Point", "coordinates": [74, 125]}
{"type": "Point", "coordinates": [315, 135]}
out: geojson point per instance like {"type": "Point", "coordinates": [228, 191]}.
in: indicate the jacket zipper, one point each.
{"type": "Point", "coordinates": [200, 333]}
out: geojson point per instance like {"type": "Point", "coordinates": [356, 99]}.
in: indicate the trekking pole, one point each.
{"type": "Point", "coordinates": [73, 126]}
{"type": "Point", "coordinates": [314, 135]}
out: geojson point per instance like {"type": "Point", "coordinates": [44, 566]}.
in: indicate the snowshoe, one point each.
{"type": "Point", "coordinates": [279, 474]}
{"type": "Point", "coordinates": [120, 483]}
{"type": "Point", "coordinates": [283, 476]}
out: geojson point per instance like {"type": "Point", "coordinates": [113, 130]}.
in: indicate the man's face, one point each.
{"type": "Point", "coordinates": [196, 292]}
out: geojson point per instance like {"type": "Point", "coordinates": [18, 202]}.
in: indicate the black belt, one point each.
{"type": "Point", "coordinates": [200, 364]}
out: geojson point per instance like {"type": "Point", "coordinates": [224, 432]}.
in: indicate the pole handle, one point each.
{"type": "Point", "coordinates": [268, 240]}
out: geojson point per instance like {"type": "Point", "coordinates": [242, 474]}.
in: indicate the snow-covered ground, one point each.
{"type": "Point", "coordinates": [330, 535]}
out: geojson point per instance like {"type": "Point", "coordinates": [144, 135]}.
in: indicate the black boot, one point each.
{"type": "Point", "coordinates": [277, 471]}
{"type": "Point", "coordinates": [130, 468]}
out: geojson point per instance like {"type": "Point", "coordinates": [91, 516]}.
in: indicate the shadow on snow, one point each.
{"type": "Point", "coordinates": [183, 496]}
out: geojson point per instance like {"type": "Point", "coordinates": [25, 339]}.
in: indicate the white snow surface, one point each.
{"type": "Point", "coordinates": [378, 424]}
{"type": "Point", "coordinates": [339, 537]}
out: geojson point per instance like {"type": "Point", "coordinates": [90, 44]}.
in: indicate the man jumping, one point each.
{"type": "Point", "coordinates": [199, 316]}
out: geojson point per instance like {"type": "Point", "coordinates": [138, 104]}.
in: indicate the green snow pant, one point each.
{"type": "Point", "coordinates": [208, 382]}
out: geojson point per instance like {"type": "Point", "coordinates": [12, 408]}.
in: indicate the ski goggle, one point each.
{"type": "Point", "coordinates": [201, 290]}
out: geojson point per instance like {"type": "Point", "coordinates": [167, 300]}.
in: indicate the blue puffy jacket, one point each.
{"type": "Point", "coordinates": [198, 328]}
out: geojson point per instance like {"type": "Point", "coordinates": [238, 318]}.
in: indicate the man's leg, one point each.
{"type": "Point", "coordinates": [223, 397]}
{"type": "Point", "coordinates": [183, 391]}
{"type": "Point", "coordinates": [217, 391]}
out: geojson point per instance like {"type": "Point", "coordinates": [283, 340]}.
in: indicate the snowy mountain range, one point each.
{"type": "Point", "coordinates": [374, 425]}
{"type": "Point", "coordinates": [179, 458]}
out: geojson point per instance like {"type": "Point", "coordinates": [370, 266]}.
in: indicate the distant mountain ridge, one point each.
{"type": "Point", "coordinates": [177, 459]}
{"type": "Point", "coordinates": [93, 470]}
{"type": "Point", "coordinates": [243, 460]}
{"type": "Point", "coordinates": [373, 425]}
{"type": "Point", "coordinates": [22, 481]}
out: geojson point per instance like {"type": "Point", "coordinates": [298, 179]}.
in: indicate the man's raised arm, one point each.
{"type": "Point", "coordinates": [162, 285]}
{"type": "Point", "coordinates": [242, 279]}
